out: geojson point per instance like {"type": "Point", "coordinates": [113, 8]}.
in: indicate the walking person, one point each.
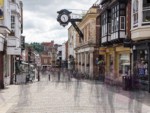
{"type": "Point", "coordinates": [49, 77]}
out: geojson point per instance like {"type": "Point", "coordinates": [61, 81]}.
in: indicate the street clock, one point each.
{"type": "Point", "coordinates": [63, 17]}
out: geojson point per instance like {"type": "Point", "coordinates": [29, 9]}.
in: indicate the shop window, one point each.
{"type": "Point", "coordinates": [146, 11]}
{"type": "Point", "coordinates": [124, 64]}
{"type": "Point", "coordinates": [142, 63]}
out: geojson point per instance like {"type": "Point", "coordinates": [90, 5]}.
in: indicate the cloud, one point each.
{"type": "Point", "coordinates": [40, 22]}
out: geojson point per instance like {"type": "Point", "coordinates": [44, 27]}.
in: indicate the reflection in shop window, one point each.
{"type": "Point", "coordinates": [142, 63]}
{"type": "Point", "coordinates": [124, 64]}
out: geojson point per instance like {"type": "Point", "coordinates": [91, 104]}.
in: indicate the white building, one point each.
{"type": "Point", "coordinates": [5, 14]}
{"type": "Point", "coordinates": [11, 27]}
{"type": "Point", "coordinates": [64, 51]}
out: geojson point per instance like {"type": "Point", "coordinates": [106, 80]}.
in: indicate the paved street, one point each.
{"type": "Point", "coordinates": [62, 95]}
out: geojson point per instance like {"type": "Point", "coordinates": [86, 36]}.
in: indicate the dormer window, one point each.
{"type": "Point", "coordinates": [146, 11]}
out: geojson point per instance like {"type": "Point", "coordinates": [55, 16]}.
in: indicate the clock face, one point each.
{"type": "Point", "coordinates": [64, 18]}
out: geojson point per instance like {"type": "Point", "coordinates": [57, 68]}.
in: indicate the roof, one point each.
{"type": "Point", "coordinates": [50, 44]}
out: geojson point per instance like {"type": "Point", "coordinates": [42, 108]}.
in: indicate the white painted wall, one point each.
{"type": "Point", "coordinates": [64, 51]}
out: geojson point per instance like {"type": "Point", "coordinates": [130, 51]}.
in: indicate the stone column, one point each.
{"type": "Point", "coordinates": [79, 57]}
{"type": "Point", "coordinates": [81, 62]}
{"type": "Point", "coordinates": [91, 64]}
{"type": "Point", "coordinates": [85, 57]}
{"type": "Point", "coordinates": [1, 71]}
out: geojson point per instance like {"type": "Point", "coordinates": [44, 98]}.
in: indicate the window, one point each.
{"type": "Point", "coordinates": [109, 28]}
{"type": "Point", "coordinates": [124, 64]}
{"type": "Point", "coordinates": [146, 11]}
{"type": "Point", "coordinates": [122, 22]}
{"type": "Point", "coordinates": [141, 64]}
{"type": "Point", "coordinates": [115, 18]}
{"type": "Point", "coordinates": [135, 12]}
{"type": "Point", "coordinates": [104, 24]}
{"type": "Point", "coordinates": [45, 61]}
{"type": "Point", "coordinates": [13, 22]}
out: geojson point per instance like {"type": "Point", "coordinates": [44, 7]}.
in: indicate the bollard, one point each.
{"type": "Point", "coordinates": [49, 77]}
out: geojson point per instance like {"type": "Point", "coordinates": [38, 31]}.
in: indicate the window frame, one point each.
{"type": "Point", "coordinates": [121, 23]}
{"type": "Point", "coordinates": [143, 10]}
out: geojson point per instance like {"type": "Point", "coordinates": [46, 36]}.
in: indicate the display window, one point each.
{"type": "Point", "coordinates": [124, 64]}
{"type": "Point", "coordinates": [142, 63]}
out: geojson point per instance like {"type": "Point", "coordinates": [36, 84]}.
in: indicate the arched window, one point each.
{"type": "Point", "coordinates": [146, 11]}
{"type": "Point", "coordinates": [135, 12]}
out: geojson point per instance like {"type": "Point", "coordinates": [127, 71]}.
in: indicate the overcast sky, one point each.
{"type": "Point", "coordinates": [40, 24]}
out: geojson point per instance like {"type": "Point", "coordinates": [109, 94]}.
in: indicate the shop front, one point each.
{"type": "Point", "coordinates": [141, 65]}
{"type": "Point", "coordinates": [117, 64]}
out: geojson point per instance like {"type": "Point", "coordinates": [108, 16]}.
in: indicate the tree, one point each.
{"type": "Point", "coordinates": [37, 47]}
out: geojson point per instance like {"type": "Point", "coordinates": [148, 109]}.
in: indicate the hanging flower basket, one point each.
{"type": "Point", "coordinates": [87, 65]}
{"type": "Point", "coordinates": [83, 64]}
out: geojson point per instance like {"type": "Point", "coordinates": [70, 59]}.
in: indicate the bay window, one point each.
{"type": "Point", "coordinates": [115, 18]}
{"type": "Point", "coordinates": [104, 24]}
{"type": "Point", "coordinates": [146, 11]}
{"type": "Point", "coordinates": [135, 12]}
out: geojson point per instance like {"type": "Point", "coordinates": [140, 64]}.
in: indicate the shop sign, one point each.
{"type": "Point", "coordinates": [13, 51]}
{"type": "Point", "coordinates": [141, 71]}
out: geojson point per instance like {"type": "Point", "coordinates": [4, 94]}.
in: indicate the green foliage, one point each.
{"type": "Point", "coordinates": [37, 47]}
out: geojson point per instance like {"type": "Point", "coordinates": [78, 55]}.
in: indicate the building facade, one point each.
{"type": "Point", "coordinates": [140, 34]}
{"type": "Point", "coordinates": [59, 56]}
{"type": "Point", "coordinates": [115, 28]}
{"type": "Point", "coordinates": [87, 48]}
{"type": "Point", "coordinates": [48, 57]}
{"type": "Point", "coordinates": [11, 27]}
{"type": "Point", "coordinates": [71, 46]}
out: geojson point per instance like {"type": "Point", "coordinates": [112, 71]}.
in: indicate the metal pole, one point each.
{"type": "Point", "coordinates": [15, 70]}
{"type": "Point", "coordinates": [38, 73]}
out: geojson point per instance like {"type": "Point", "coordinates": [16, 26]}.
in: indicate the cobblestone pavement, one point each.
{"type": "Point", "coordinates": [60, 95]}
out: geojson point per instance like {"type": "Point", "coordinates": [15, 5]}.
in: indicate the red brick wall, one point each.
{"type": "Point", "coordinates": [128, 18]}
{"type": "Point", "coordinates": [48, 61]}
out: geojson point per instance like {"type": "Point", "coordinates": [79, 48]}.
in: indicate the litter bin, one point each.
{"type": "Point", "coordinates": [127, 82]}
